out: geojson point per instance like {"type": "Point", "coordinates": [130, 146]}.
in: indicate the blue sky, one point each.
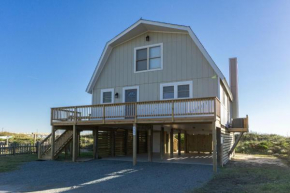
{"type": "Point", "coordinates": [49, 49]}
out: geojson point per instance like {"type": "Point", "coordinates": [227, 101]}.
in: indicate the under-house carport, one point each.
{"type": "Point", "coordinates": [187, 143]}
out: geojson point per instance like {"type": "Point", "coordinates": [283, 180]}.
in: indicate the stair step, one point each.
{"type": "Point", "coordinates": [66, 137]}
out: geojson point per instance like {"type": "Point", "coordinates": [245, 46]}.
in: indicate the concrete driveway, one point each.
{"type": "Point", "coordinates": [104, 176]}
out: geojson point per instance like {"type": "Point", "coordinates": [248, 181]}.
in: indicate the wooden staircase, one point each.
{"type": "Point", "coordinates": [60, 143]}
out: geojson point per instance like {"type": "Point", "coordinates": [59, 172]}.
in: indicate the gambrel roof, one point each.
{"type": "Point", "coordinates": [142, 26]}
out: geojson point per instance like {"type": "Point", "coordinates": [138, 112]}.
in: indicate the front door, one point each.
{"type": "Point", "coordinates": [130, 97]}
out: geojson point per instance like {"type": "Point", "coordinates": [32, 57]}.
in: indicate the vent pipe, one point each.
{"type": "Point", "coordinates": [234, 86]}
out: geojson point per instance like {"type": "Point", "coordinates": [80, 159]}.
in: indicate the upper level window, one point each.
{"type": "Point", "coordinates": [183, 91]}
{"type": "Point", "coordinates": [176, 90]}
{"type": "Point", "coordinates": [107, 96]}
{"type": "Point", "coordinates": [168, 92]}
{"type": "Point", "coordinates": [148, 58]}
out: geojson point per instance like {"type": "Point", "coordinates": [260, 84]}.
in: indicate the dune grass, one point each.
{"type": "Point", "coordinates": [243, 177]}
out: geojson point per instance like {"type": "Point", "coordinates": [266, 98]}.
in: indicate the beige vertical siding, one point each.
{"type": "Point", "coordinates": [182, 61]}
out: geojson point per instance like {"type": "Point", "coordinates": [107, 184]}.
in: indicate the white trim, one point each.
{"type": "Point", "coordinates": [112, 95]}
{"type": "Point", "coordinates": [148, 59]}
{"type": "Point", "coordinates": [128, 88]}
{"type": "Point", "coordinates": [176, 84]}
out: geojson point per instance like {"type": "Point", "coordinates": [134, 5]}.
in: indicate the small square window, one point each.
{"type": "Point", "coordinates": [168, 92]}
{"type": "Point", "coordinates": [107, 97]}
{"type": "Point", "coordinates": [183, 91]}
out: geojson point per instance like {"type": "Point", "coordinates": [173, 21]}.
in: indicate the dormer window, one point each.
{"type": "Point", "coordinates": [148, 58]}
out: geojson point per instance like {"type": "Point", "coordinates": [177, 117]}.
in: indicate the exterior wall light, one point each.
{"type": "Point", "coordinates": [147, 38]}
{"type": "Point", "coordinates": [117, 95]}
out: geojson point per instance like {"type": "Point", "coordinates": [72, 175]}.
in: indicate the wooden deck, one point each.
{"type": "Point", "coordinates": [154, 112]}
{"type": "Point", "coordinates": [105, 119]}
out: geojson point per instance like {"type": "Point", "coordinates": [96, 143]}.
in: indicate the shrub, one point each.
{"type": "Point", "coordinates": [264, 144]}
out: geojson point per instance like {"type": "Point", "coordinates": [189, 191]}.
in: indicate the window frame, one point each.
{"type": "Point", "coordinates": [148, 57]}
{"type": "Point", "coordinates": [175, 85]}
{"type": "Point", "coordinates": [112, 95]}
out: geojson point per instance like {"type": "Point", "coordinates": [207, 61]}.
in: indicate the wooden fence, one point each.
{"type": "Point", "coordinates": [18, 149]}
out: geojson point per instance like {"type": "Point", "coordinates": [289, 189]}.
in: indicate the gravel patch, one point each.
{"type": "Point", "coordinates": [104, 176]}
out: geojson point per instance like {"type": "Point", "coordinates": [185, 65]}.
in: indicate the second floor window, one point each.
{"type": "Point", "coordinates": [107, 96]}
{"type": "Point", "coordinates": [176, 90]}
{"type": "Point", "coordinates": [168, 92]}
{"type": "Point", "coordinates": [148, 58]}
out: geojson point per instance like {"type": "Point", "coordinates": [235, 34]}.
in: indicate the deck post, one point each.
{"type": "Point", "coordinates": [179, 142]}
{"type": "Point", "coordinates": [71, 148]}
{"type": "Point", "coordinates": [75, 137]}
{"type": "Point", "coordinates": [125, 142]}
{"type": "Point", "coordinates": [96, 136]}
{"type": "Point", "coordinates": [113, 143]}
{"type": "Point", "coordinates": [39, 150]}
{"type": "Point", "coordinates": [171, 143]}
{"type": "Point", "coordinates": [167, 143]}
{"type": "Point", "coordinates": [134, 144]}
{"type": "Point", "coordinates": [52, 142]}
{"type": "Point", "coordinates": [137, 132]}
{"type": "Point", "coordinates": [214, 144]}
{"type": "Point", "coordinates": [185, 142]}
{"type": "Point", "coordinates": [149, 145]}
{"type": "Point", "coordinates": [162, 143]}
{"type": "Point", "coordinates": [79, 143]}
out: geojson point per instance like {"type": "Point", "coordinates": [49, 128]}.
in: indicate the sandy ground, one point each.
{"type": "Point", "coordinates": [257, 160]}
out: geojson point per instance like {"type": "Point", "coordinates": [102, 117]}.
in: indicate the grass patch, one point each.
{"type": "Point", "coordinates": [12, 162]}
{"type": "Point", "coordinates": [249, 178]}
{"type": "Point", "coordinates": [61, 156]}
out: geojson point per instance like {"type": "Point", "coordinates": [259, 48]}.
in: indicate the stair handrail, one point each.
{"type": "Point", "coordinates": [61, 140]}
{"type": "Point", "coordinates": [44, 147]}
